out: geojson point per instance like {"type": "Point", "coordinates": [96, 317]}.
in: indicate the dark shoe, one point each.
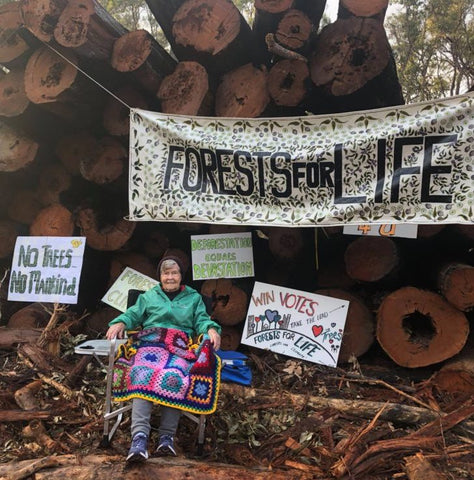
{"type": "Point", "coordinates": [166, 446]}
{"type": "Point", "coordinates": [138, 451]}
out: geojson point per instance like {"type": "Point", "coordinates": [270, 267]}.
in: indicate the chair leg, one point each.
{"type": "Point", "coordinates": [201, 434]}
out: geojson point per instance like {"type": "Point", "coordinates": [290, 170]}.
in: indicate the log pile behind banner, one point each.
{"type": "Point", "coordinates": [64, 163]}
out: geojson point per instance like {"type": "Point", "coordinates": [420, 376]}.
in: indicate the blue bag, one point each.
{"type": "Point", "coordinates": [234, 367]}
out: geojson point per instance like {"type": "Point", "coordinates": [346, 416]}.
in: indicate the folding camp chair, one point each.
{"type": "Point", "coordinates": [108, 348]}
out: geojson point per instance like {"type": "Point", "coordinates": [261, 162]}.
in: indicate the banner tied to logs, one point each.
{"type": "Point", "coordinates": [411, 163]}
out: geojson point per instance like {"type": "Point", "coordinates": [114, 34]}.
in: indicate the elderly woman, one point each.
{"type": "Point", "coordinates": [158, 364]}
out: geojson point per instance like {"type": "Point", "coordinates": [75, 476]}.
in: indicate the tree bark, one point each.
{"type": "Point", "coordinates": [16, 150]}
{"type": "Point", "coordinates": [242, 93]}
{"type": "Point", "coordinates": [116, 118]}
{"type": "Point", "coordinates": [105, 238]}
{"type": "Point", "coordinates": [359, 328]}
{"type": "Point", "coordinates": [230, 338]}
{"type": "Point", "coordinates": [371, 259]}
{"type": "Point", "coordinates": [25, 396]}
{"type": "Point", "coordinates": [11, 337]}
{"type": "Point", "coordinates": [13, 99]}
{"type": "Point", "coordinates": [456, 284]}
{"type": "Point", "coordinates": [23, 415]}
{"type": "Point", "coordinates": [12, 45]}
{"type": "Point", "coordinates": [53, 221]}
{"type": "Point", "coordinates": [183, 91]}
{"type": "Point", "coordinates": [417, 328]}
{"type": "Point", "coordinates": [418, 467]}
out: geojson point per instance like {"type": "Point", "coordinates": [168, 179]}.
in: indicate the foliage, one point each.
{"type": "Point", "coordinates": [433, 44]}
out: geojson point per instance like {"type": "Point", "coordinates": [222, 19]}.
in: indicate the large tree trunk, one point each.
{"type": "Point", "coordinates": [41, 16]}
{"type": "Point", "coordinates": [418, 328]}
{"type": "Point", "coordinates": [53, 221]}
{"type": "Point", "coordinates": [8, 232]}
{"type": "Point", "coordinates": [191, 26]}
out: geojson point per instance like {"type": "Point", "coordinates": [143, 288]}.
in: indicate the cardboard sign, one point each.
{"type": "Point", "coordinates": [404, 230]}
{"type": "Point", "coordinates": [298, 324]}
{"type": "Point", "coordinates": [129, 279]}
{"type": "Point", "coordinates": [225, 255]}
{"type": "Point", "coordinates": [46, 269]}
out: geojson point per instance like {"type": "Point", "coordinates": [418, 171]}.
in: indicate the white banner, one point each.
{"type": "Point", "coordinates": [406, 164]}
{"type": "Point", "coordinates": [299, 324]}
{"type": "Point", "coordinates": [46, 269]}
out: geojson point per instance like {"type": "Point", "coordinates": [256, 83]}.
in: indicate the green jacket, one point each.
{"type": "Point", "coordinates": [153, 308]}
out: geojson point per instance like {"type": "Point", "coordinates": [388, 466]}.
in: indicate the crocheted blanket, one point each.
{"type": "Point", "coordinates": [162, 365]}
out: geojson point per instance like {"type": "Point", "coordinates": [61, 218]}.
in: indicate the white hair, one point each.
{"type": "Point", "coordinates": [168, 264]}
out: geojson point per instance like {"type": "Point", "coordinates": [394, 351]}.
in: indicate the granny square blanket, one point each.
{"type": "Point", "coordinates": [162, 365]}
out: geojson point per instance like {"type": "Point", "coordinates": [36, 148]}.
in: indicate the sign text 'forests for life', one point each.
{"type": "Point", "coordinates": [46, 269]}
{"type": "Point", "coordinates": [404, 164]}
{"type": "Point", "coordinates": [299, 324]}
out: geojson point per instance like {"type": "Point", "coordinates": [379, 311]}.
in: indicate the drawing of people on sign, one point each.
{"type": "Point", "coordinates": [298, 324]}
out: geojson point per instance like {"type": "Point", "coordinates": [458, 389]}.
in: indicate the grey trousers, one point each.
{"type": "Point", "coordinates": [141, 414]}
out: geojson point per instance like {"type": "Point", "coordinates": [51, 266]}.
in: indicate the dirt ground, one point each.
{"type": "Point", "coordinates": [302, 419]}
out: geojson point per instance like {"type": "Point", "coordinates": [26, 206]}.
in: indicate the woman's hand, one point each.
{"type": "Point", "coordinates": [215, 338]}
{"type": "Point", "coordinates": [115, 331]}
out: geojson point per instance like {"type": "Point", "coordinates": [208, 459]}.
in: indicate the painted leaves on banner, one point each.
{"type": "Point", "coordinates": [412, 163]}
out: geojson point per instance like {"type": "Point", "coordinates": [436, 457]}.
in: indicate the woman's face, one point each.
{"type": "Point", "coordinates": [170, 279]}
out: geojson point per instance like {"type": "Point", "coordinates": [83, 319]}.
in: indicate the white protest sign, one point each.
{"type": "Point", "coordinates": [404, 230]}
{"type": "Point", "coordinates": [298, 324]}
{"type": "Point", "coordinates": [224, 255]}
{"type": "Point", "coordinates": [129, 279]}
{"type": "Point", "coordinates": [46, 269]}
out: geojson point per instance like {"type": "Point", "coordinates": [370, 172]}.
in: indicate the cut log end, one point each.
{"type": "Point", "coordinates": [183, 91]}
{"type": "Point", "coordinates": [207, 26]}
{"type": "Point", "coordinates": [106, 164]}
{"type": "Point", "coordinates": [131, 50]}
{"type": "Point", "coordinates": [47, 75]}
{"type": "Point", "coordinates": [41, 17]}
{"type": "Point", "coordinates": [294, 29]}
{"type": "Point", "coordinates": [53, 221]}
{"type": "Point", "coordinates": [16, 150]}
{"type": "Point", "coordinates": [369, 259]}
{"type": "Point", "coordinates": [287, 82]}
{"type": "Point", "coordinates": [348, 54]}
{"type": "Point", "coordinates": [242, 93]}
{"type": "Point", "coordinates": [108, 237]}
{"type": "Point", "coordinates": [11, 44]}
{"type": "Point", "coordinates": [456, 283]}
{"type": "Point", "coordinates": [73, 23]}
{"type": "Point", "coordinates": [74, 148]}
{"type": "Point", "coordinates": [417, 328]}
{"type": "Point", "coordinates": [13, 99]}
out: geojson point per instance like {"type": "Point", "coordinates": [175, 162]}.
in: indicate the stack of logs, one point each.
{"type": "Point", "coordinates": [64, 143]}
